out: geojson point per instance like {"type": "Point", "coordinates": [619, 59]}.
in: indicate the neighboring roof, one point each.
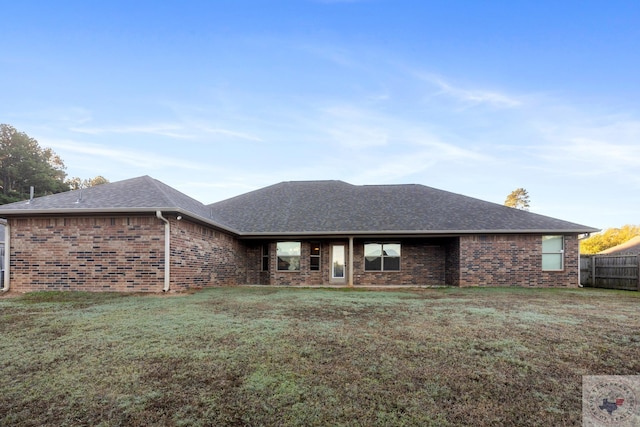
{"type": "Point", "coordinates": [307, 208]}
{"type": "Point", "coordinates": [630, 247]}
{"type": "Point", "coordinates": [142, 194]}
{"type": "Point", "coordinates": [336, 207]}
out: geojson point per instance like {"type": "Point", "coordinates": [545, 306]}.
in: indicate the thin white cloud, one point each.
{"type": "Point", "coordinates": [170, 130]}
{"type": "Point", "coordinates": [610, 149]}
{"type": "Point", "coordinates": [339, 56]}
{"type": "Point", "coordinates": [230, 133]}
{"type": "Point", "coordinates": [74, 116]}
{"type": "Point", "coordinates": [471, 97]}
{"type": "Point", "coordinates": [190, 130]}
{"type": "Point", "coordinates": [143, 160]}
{"type": "Point", "coordinates": [358, 136]}
{"type": "Point", "coordinates": [352, 127]}
{"type": "Point", "coordinates": [398, 168]}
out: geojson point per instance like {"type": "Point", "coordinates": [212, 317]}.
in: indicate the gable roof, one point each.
{"type": "Point", "coordinates": [141, 194]}
{"type": "Point", "coordinates": [630, 247]}
{"type": "Point", "coordinates": [307, 208]}
{"type": "Point", "coordinates": [336, 207]}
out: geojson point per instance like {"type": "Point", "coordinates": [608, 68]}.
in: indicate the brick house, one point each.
{"type": "Point", "coordinates": [142, 235]}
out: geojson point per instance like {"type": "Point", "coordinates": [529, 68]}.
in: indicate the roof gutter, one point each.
{"type": "Point", "coordinates": [167, 251]}
{"type": "Point", "coordinates": [7, 253]}
{"type": "Point", "coordinates": [403, 233]}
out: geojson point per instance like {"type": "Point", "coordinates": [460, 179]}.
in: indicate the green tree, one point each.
{"type": "Point", "coordinates": [76, 183]}
{"type": "Point", "coordinates": [519, 199]}
{"type": "Point", "coordinates": [608, 238]}
{"type": "Point", "coordinates": [23, 163]}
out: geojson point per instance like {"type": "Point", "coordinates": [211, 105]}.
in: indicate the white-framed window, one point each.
{"type": "Point", "coordinates": [288, 256]}
{"type": "Point", "coordinates": [314, 256]}
{"type": "Point", "coordinates": [382, 257]}
{"type": "Point", "coordinates": [552, 253]}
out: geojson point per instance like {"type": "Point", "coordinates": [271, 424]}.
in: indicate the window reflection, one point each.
{"type": "Point", "coordinates": [382, 256]}
{"type": "Point", "coordinates": [288, 256]}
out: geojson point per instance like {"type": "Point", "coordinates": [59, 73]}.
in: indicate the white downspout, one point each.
{"type": "Point", "coordinates": [7, 252]}
{"type": "Point", "coordinates": [167, 251]}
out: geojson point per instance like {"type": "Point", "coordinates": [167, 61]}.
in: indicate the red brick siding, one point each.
{"type": "Point", "coordinates": [514, 260]}
{"type": "Point", "coordinates": [87, 253]}
{"type": "Point", "coordinates": [254, 265]}
{"type": "Point", "coordinates": [202, 256]}
{"type": "Point", "coordinates": [422, 263]}
{"type": "Point", "coordinates": [126, 253]}
{"type": "Point", "coordinates": [305, 276]}
{"type": "Point", "coordinates": [479, 260]}
{"type": "Point", "coordinates": [452, 262]}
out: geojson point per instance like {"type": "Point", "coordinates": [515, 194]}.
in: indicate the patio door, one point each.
{"type": "Point", "coordinates": [338, 266]}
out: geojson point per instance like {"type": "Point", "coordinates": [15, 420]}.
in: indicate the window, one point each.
{"type": "Point", "coordinates": [288, 256]}
{"type": "Point", "coordinates": [265, 257]}
{"type": "Point", "coordinates": [382, 256]}
{"type": "Point", "coordinates": [552, 253]}
{"type": "Point", "coordinates": [314, 256]}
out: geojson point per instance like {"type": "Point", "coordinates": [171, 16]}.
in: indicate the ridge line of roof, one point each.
{"type": "Point", "coordinates": [157, 185]}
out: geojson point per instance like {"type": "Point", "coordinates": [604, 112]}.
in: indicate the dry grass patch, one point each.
{"type": "Point", "coordinates": [264, 356]}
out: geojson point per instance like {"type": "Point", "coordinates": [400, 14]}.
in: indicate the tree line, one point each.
{"type": "Point", "coordinates": [608, 238]}
{"type": "Point", "coordinates": [519, 199]}
{"type": "Point", "coordinates": [24, 164]}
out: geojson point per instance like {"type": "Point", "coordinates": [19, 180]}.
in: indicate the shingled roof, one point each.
{"type": "Point", "coordinates": [142, 194]}
{"type": "Point", "coordinates": [336, 207]}
{"type": "Point", "coordinates": [307, 208]}
{"type": "Point", "coordinates": [630, 247]}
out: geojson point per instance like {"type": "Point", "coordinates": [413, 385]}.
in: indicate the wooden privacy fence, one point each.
{"type": "Point", "coordinates": [610, 271]}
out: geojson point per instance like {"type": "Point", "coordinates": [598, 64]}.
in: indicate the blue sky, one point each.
{"type": "Point", "coordinates": [217, 98]}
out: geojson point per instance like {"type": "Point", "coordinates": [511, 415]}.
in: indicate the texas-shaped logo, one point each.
{"type": "Point", "coordinates": [611, 406]}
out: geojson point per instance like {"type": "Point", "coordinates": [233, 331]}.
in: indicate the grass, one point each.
{"type": "Point", "coordinates": [267, 356]}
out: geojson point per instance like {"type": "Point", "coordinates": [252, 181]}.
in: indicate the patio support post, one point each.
{"type": "Point", "coordinates": [350, 282]}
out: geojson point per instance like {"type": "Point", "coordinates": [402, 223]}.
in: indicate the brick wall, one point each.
{"type": "Point", "coordinates": [514, 260]}
{"type": "Point", "coordinates": [305, 276]}
{"type": "Point", "coordinates": [478, 260]}
{"type": "Point", "coordinates": [87, 253]}
{"type": "Point", "coordinates": [120, 254]}
{"type": "Point", "coordinates": [422, 263]}
{"type": "Point", "coordinates": [126, 253]}
{"type": "Point", "coordinates": [452, 262]}
{"type": "Point", "coordinates": [202, 256]}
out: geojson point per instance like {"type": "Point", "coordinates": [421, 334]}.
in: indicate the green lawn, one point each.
{"type": "Point", "coordinates": [274, 356]}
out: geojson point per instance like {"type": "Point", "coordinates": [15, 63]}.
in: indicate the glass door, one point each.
{"type": "Point", "coordinates": [337, 263]}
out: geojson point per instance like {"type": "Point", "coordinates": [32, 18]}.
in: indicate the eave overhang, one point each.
{"type": "Point", "coordinates": [249, 235]}
{"type": "Point", "coordinates": [404, 233]}
{"type": "Point", "coordinates": [116, 211]}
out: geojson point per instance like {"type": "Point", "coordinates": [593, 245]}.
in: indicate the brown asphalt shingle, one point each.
{"type": "Point", "coordinates": [336, 206]}
{"type": "Point", "coordinates": [307, 207]}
